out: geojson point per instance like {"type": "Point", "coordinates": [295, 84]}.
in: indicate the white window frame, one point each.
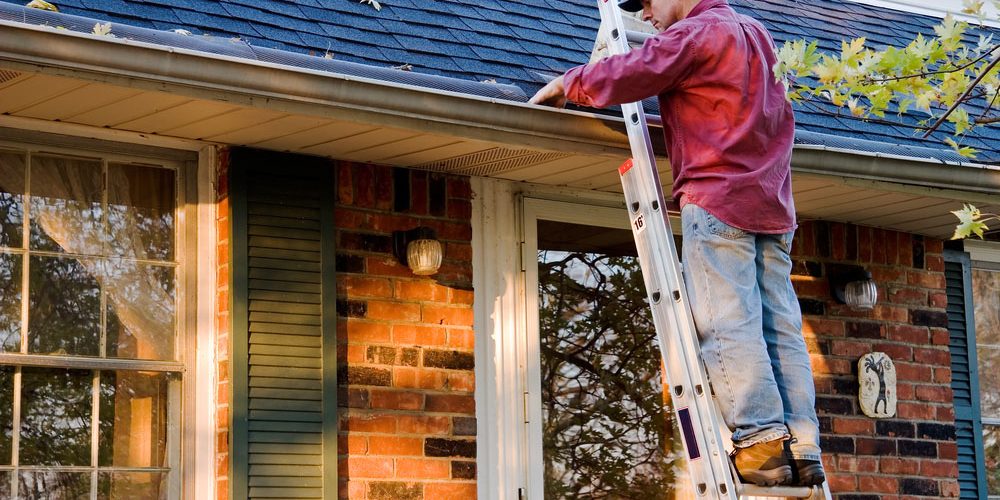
{"type": "Point", "coordinates": [984, 252]}
{"type": "Point", "coordinates": [508, 378]}
{"type": "Point", "coordinates": [195, 162]}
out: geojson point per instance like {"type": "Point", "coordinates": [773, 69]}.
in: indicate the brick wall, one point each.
{"type": "Point", "coordinates": [222, 327]}
{"type": "Point", "coordinates": [405, 343]}
{"type": "Point", "coordinates": [914, 453]}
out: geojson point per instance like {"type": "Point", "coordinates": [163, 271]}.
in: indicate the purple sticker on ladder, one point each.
{"type": "Point", "coordinates": [689, 438]}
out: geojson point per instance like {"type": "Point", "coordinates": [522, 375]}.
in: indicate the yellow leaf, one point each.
{"type": "Point", "coordinates": [41, 4]}
{"type": "Point", "coordinates": [102, 29]}
{"type": "Point", "coordinates": [969, 222]}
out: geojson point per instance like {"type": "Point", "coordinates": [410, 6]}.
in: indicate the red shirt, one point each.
{"type": "Point", "coordinates": [728, 126]}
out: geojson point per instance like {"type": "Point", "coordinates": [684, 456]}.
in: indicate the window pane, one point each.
{"type": "Point", "coordinates": [66, 205]}
{"type": "Point", "coordinates": [55, 417]}
{"type": "Point", "coordinates": [11, 199]}
{"type": "Point", "coordinates": [991, 447]}
{"type": "Point", "coordinates": [5, 484]}
{"type": "Point", "coordinates": [64, 308]}
{"type": "Point", "coordinates": [131, 485]}
{"type": "Point", "coordinates": [989, 381]}
{"type": "Point", "coordinates": [141, 204]}
{"type": "Point", "coordinates": [986, 297]}
{"type": "Point", "coordinates": [48, 485]}
{"type": "Point", "coordinates": [133, 429]}
{"type": "Point", "coordinates": [607, 430]}
{"type": "Point", "coordinates": [10, 305]}
{"type": "Point", "coordinates": [6, 418]}
{"type": "Point", "coordinates": [141, 310]}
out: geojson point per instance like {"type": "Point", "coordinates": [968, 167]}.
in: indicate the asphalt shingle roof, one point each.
{"type": "Point", "coordinates": [519, 42]}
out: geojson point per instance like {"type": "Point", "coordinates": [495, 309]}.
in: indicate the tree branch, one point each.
{"type": "Point", "coordinates": [958, 101]}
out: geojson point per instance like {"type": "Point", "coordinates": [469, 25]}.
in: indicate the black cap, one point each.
{"type": "Point", "coordinates": [630, 5]}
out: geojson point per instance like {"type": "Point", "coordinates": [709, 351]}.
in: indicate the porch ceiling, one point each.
{"type": "Point", "coordinates": [41, 97]}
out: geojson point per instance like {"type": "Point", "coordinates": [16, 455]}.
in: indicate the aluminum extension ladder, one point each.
{"type": "Point", "coordinates": [697, 415]}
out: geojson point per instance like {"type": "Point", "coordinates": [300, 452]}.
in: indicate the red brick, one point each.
{"type": "Point", "coordinates": [381, 266]}
{"type": "Point", "coordinates": [947, 451]}
{"type": "Point", "coordinates": [878, 484]}
{"type": "Point", "coordinates": [949, 489]}
{"type": "Point", "coordinates": [352, 444]}
{"type": "Point", "coordinates": [933, 245]}
{"type": "Point", "coordinates": [899, 466]}
{"type": "Point", "coordinates": [345, 184]}
{"type": "Point", "coordinates": [890, 313]}
{"type": "Point", "coordinates": [425, 468]}
{"type": "Point", "coordinates": [914, 411]}
{"type": "Point", "coordinates": [850, 348]}
{"type": "Point", "coordinates": [366, 467]}
{"type": "Point", "coordinates": [396, 399]}
{"type": "Point", "coordinates": [849, 463]}
{"type": "Point", "coordinates": [352, 489]}
{"type": "Point", "coordinates": [392, 311]}
{"type": "Point", "coordinates": [865, 237]}
{"type": "Point", "coordinates": [455, 316]}
{"type": "Point", "coordinates": [843, 483]}
{"type": "Point", "coordinates": [907, 296]}
{"type": "Point", "coordinates": [826, 365]}
{"type": "Point", "coordinates": [938, 300]}
{"type": "Point", "coordinates": [939, 357]}
{"type": "Point", "coordinates": [461, 339]}
{"type": "Point", "coordinates": [459, 209]}
{"type": "Point", "coordinates": [838, 241]}
{"type": "Point", "coordinates": [424, 290]}
{"type": "Point", "coordinates": [424, 425]}
{"type": "Point", "coordinates": [908, 333]}
{"type": "Point", "coordinates": [939, 468]}
{"type": "Point", "coordinates": [926, 279]}
{"type": "Point", "coordinates": [933, 393]}
{"type": "Point", "coordinates": [451, 403]}
{"type": "Point", "coordinates": [450, 491]}
{"type": "Point", "coordinates": [934, 263]}
{"type": "Point", "coordinates": [458, 251]}
{"type": "Point", "coordinates": [940, 336]}
{"type": "Point", "coordinates": [358, 422]}
{"type": "Point", "coordinates": [459, 187]}
{"type": "Point", "coordinates": [461, 297]}
{"type": "Point", "coordinates": [383, 187]}
{"type": "Point", "coordinates": [888, 275]}
{"type": "Point", "coordinates": [945, 414]}
{"type": "Point", "coordinates": [863, 426]}
{"type": "Point", "coordinates": [395, 445]}
{"type": "Point", "coordinates": [418, 378]}
{"type": "Point", "coordinates": [418, 192]}
{"type": "Point", "coordinates": [904, 391]}
{"type": "Point", "coordinates": [354, 286]}
{"type": "Point", "coordinates": [810, 287]}
{"type": "Point", "coordinates": [461, 381]}
{"type": "Point", "coordinates": [419, 335]}
{"type": "Point", "coordinates": [897, 352]}
{"type": "Point", "coordinates": [361, 331]}
{"type": "Point", "coordinates": [905, 245]}
{"type": "Point", "coordinates": [942, 375]}
{"type": "Point", "coordinates": [913, 372]}
{"type": "Point", "coordinates": [460, 231]}
{"type": "Point", "coordinates": [823, 327]}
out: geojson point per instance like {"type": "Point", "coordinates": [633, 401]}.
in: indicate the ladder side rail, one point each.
{"type": "Point", "coordinates": [693, 404]}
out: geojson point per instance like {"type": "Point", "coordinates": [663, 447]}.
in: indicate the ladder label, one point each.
{"type": "Point", "coordinates": [639, 224]}
{"type": "Point", "coordinates": [625, 167]}
{"type": "Point", "coordinates": [687, 427]}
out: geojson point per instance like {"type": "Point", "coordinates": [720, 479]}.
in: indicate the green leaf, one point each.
{"type": "Point", "coordinates": [969, 222]}
{"type": "Point", "coordinates": [960, 118]}
{"type": "Point", "coordinates": [950, 32]}
{"type": "Point", "coordinates": [965, 151]}
{"type": "Point", "coordinates": [829, 70]}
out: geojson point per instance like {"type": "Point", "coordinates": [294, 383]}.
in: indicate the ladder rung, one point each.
{"type": "Point", "coordinates": [779, 491]}
{"type": "Point", "coordinates": [637, 37]}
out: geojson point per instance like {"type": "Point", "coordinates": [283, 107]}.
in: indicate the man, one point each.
{"type": "Point", "coordinates": [729, 131]}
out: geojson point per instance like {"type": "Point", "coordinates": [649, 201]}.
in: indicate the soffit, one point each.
{"type": "Point", "coordinates": [47, 98]}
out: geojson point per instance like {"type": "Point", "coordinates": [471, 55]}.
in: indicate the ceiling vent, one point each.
{"type": "Point", "coordinates": [7, 75]}
{"type": "Point", "coordinates": [491, 162]}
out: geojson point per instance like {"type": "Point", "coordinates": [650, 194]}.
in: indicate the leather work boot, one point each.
{"type": "Point", "coordinates": [763, 464]}
{"type": "Point", "coordinates": [807, 472]}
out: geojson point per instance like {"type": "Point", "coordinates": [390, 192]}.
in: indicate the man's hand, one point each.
{"type": "Point", "coordinates": [552, 94]}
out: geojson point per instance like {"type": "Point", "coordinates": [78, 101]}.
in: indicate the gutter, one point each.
{"type": "Point", "coordinates": [304, 91]}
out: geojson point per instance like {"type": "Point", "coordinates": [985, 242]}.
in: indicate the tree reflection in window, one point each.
{"type": "Point", "coordinates": [607, 430]}
{"type": "Point", "coordinates": [986, 297]}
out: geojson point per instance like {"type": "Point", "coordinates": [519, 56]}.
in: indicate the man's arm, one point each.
{"type": "Point", "coordinates": [663, 62]}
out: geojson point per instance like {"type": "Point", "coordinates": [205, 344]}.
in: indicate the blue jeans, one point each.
{"type": "Point", "coordinates": [747, 315]}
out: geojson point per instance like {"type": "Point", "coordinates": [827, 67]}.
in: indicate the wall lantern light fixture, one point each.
{"type": "Point", "coordinates": [419, 249]}
{"type": "Point", "coordinates": [852, 285]}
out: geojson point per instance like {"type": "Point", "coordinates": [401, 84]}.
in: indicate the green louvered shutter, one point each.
{"type": "Point", "coordinates": [284, 440]}
{"type": "Point", "coordinates": [964, 375]}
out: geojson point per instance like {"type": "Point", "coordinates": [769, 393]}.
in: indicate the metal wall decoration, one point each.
{"type": "Point", "coordinates": [877, 385]}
